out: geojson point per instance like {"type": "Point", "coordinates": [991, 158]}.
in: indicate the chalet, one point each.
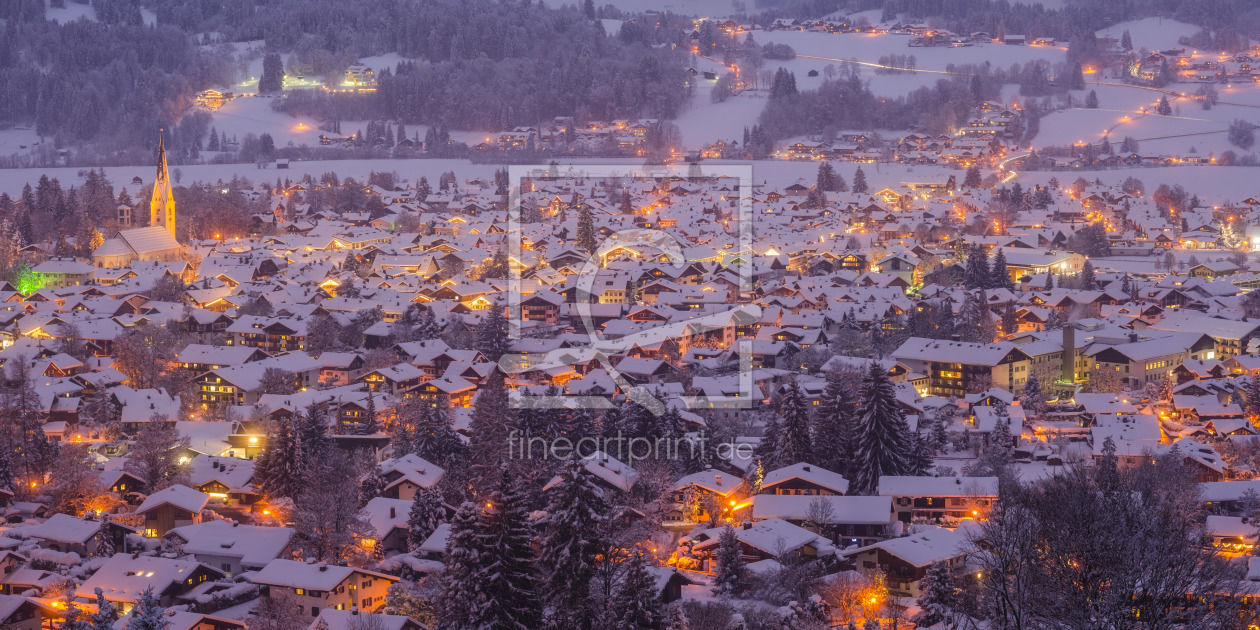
{"type": "Point", "coordinates": [939, 497]}
{"type": "Point", "coordinates": [173, 507]}
{"type": "Point", "coordinates": [316, 586]}
{"type": "Point", "coordinates": [125, 577]}
{"type": "Point", "coordinates": [904, 561]}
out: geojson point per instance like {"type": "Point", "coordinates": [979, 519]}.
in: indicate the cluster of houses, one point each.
{"type": "Point", "coordinates": [978, 143]}
{"type": "Point", "coordinates": [676, 327]}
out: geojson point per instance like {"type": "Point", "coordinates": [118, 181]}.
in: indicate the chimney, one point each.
{"type": "Point", "coordinates": [718, 479]}
{"type": "Point", "coordinates": [1133, 337]}
{"type": "Point", "coordinates": [1068, 373]}
{"type": "Point", "coordinates": [323, 567]}
{"type": "Point", "coordinates": [391, 512]}
{"type": "Point", "coordinates": [805, 468]}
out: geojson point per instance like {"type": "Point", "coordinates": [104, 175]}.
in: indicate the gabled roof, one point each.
{"type": "Point", "coordinates": [179, 496]}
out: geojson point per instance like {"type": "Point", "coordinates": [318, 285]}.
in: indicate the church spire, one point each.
{"type": "Point", "coordinates": [162, 206]}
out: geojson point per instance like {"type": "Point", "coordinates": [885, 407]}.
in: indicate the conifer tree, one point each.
{"type": "Point", "coordinates": [636, 604]}
{"type": "Point", "coordinates": [859, 181]}
{"type": "Point", "coordinates": [1163, 109]}
{"type": "Point", "coordinates": [488, 446]}
{"type": "Point", "coordinates": [920, 460]}
{"type": "Point", "coordinates": [573, 537]}
{"type": "Point", "coordinates": [1010, 321]}
{"type": "Point", "coordinates": [106, 613]}
{"type": "Point", "coordinates": [1000, 275]}
{"type": "Point", "coordinates": [882, 445]}
{"type": "Point", "coordinates": [794, 437]}
{"type": "Point", "coordinates": [462, 592]}
{"type": "Point", "coordinates": [492, 333]}
{"type": "Point", "coordinates": [767, 451]}
{"type": "Point", "coordinates": [148, 613]}
{"type": "Point", "coordinates": [427, 328]}
{"type": "Point", "coordinates": [585, 237]}
{"type": "Point", "coordinates": [1033, 401]}
{"type": "Point", "coordinates": [1088, 282]}
{"type": "Point", "coordinates": [730, 571]}
{"type": "Point", "coordinates": [834, 426]}
{"type": "Point", "coordinates": [977, 275]}
{"type": "Point", "coordinates": [426, 514]}
{"type": "Point", "coordinates": [1251, 399]}
{"type": "Point", "coordinates": [972, 177]}
{"type": "Point", "coordinates": [938, 596]}
{"type": "Point", "coordinates": [505, 541]}
{"type": "Point", "coordinates": [370, 425]}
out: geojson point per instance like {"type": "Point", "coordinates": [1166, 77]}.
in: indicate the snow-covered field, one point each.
{"type": "Point", "coordinates": [1213, 184]}
{"type": "Point", "coordinates": [829, 47]}
{"type": "Point", "coordinates": [21, 139]}
{"type": "Point", "coordinates": [73, 11]}
{"type": "Point", "coordinates": [253, 114]}
{"type": "Point", "coordinates": [1151, 33]}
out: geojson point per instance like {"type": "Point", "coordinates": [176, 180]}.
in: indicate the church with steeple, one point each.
{"type": "Point", "coordinates": [162, 206]}
{"type": "Point", "coordinates": [155, 242]}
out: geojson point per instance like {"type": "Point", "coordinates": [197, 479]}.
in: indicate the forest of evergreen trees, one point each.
{"type": "Point", "coordinates": [479, 64]}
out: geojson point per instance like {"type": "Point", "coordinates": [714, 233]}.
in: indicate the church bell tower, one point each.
{"type": "Point", "coordinates": [162, 206]}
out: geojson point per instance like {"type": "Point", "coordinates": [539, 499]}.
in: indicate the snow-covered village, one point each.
{"type": "Point", "coordinates": [650, 315]}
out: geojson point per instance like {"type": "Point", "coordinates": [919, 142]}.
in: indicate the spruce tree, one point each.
{"type": "Point", "coordinates": [859, 181]}
{"type": "Point", "coordinates": [1091, 100]}
{"type": "Point", "coordinates": [972, 178]}
{"type": "Point", "coordinates": [370, 425]}
{"type": "Point", "coordinates": [488, 445]}
{"type": "Point", "coordinates": [729, 577]}
{"type": "Point", "coordinates": [492, 333]}
{"type": "Point", "coordinates": [1163, 109]}
{"type": "Point", "coordinates": [1251, 399]}
{"type": "Point", "coordinates": [106, 613]}
{"type": "Point", "coordinates": [1010, 321]}
{"type": "Point", "coordinates": [426, 514]}
{"type": "Point", "coordinates": [573, 537]}
{"type": "Point", "coordinates": [148, 613]}
{"type": "Point", "coordinates": [767, 451]}
{"type": "Point", "coordinates": [794, 444]}
{"type": "Point", "coordinates": [508, 579]}
{"type": "Point", "coordinates": [834, 426]}
{"type": "Point", "coordinates": [938, 596]}
{"type": "Point", "coordinates": [433, 437]}
{"type": "Point", "coordinates": [636, 605]}
{"type": "Point", "coordinates": [882, 445]}
{"type": "Point", "coordinates": [585, 237]}
{"type": "Point", "coordinates": [920, 461]}
{"type": "Point", "coordinates": [1033, 401]}
{"type": "Point", "coordinates": [977, 275]}
{"type": "Point", "coordinates": [427, 328]}
{"type": "Point", "coordinates": [1088, 282]}
{"type": "Point", "coordinates": [1000, 275]}
{"type": "Point", "coordinates": [462, 593]}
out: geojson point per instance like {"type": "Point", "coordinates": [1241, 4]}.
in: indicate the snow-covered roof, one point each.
{"type": "Point", "coordinates": [807, 472]}
{"type": "Point", "coordinates": [64, 528]}
{"type": "Point", "coordinates": [253, 544]}
{"type": "Point", "coordinates": [177, 495]}
{"type": "Point", "coordinates": [892, 486]}
{"type": "Point", "coordinates": [123, 578]}
{"type": "Point", "coordinates": [848, 510]}
{"type": "Point", "coordinates": [923, 548]}
{"type": "Point", "coordinates": [316, 576]}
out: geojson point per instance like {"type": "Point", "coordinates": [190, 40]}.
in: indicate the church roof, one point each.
{"type": "Point", "coordinates": [144, 240]}
{"type": "Point", "coordinates": [112, 247]}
